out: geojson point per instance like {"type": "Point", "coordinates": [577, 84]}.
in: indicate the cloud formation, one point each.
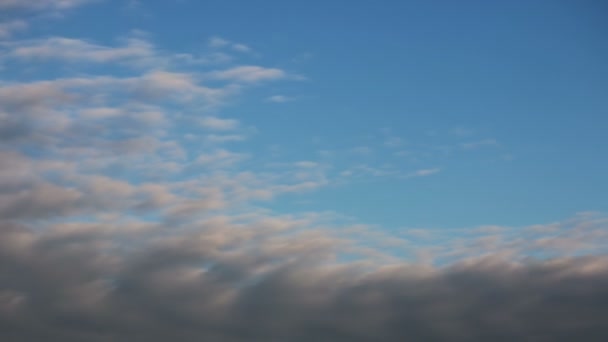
{"type": "Point", "coordinates": [78, 285]}
{"type": "Point", "coordinates": [131, 209]}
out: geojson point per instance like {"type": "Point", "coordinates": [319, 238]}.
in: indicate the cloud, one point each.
{"type": "Point", "coordinates": [219, 43]}
{"type": "Point", "coordinates": [424, 172]}
{"type": "Point", "coordinates": [215, 123]}
{"type": "Point", "coordinates": [223, 138]}
{"type": "Point", "coordinates": [220, 158]}
{"type": "Point", "coordinates": [79, 50]}
{"type": "Point", "coordinates": [114, 227]}
{"type": "Point", "coordinates": [197, 286]}
{"type": "Point", "coordinates": [19, 13]}
{"type": "Point", "coordinates": [249, 74]}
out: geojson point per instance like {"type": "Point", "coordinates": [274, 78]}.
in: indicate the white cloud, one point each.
{"type": "Point", "coordinates": [215, 123]}
{"type": "Point", "coordinates": [101, 112]}
{"type": "Point", "coordinates": [219, 43]}
{"type": "Point", "coordinates": [80, 50]}
{"type": "Point", "coordinates": [223, 138]}
{"type": "Point", "coordinates": [241, 48]}
{"type": "Point", "coordinates": [249, 74]}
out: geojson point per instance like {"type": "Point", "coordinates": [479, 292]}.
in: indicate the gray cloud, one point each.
{"type": "Point", "coordinates": [82, 286]}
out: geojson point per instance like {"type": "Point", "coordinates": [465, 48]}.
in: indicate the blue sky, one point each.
{"type": "Point", "coordinates": [416, 114]}
{"type": "Point", "coordinates": [506, 101]}
{"type": "Point", "coordinates": [202, 155]}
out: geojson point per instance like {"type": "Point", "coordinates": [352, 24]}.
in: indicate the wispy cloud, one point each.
{"type": "Point", "coordinates": [424, 172]}
{"type": "Point", "coordinates": [219, 124]}
{"type": "Point", "coordinates": [80, 50]}
{"type": "Point", "coordinates": [249, 74]}
{"type": "Point", "coordinates": [42, 4]}
{"type": "Point", "coordinates": [8, 28]}
{"type": "Point", "coordinates": [279, 99]}
{"type": "Point", "coordinates": [219, 43]}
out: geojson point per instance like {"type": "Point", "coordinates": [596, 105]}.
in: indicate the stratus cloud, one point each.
{"type": "Point", "coordinates": [215, 285]}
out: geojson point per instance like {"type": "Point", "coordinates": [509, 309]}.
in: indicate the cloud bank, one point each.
{"type": "Point", "coordinates": [75, 284]}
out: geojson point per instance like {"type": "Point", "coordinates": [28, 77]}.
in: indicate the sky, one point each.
{"type": "Point", "coordinates": [293, 171]}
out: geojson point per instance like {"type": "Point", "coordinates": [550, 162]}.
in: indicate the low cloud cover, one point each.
{"type": "Point", "coordinates": [76, 283]}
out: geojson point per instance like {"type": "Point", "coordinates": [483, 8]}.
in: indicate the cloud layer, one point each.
{"type": "Point", "coordinates": [75, 284]}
